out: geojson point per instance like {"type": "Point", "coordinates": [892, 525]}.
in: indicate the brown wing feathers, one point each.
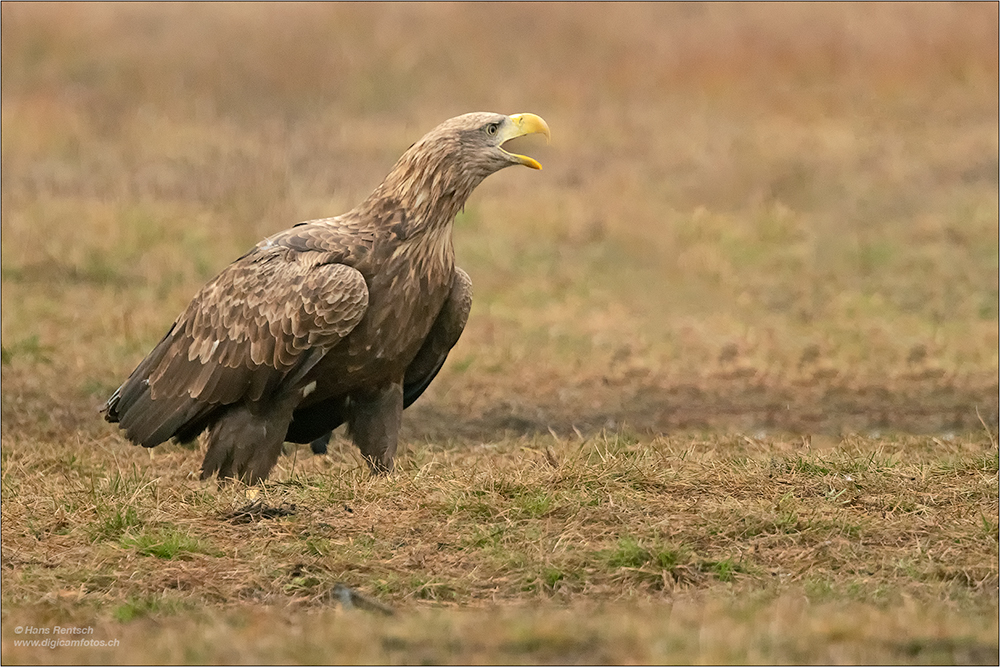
{"type": "Point", "coordinates": [241, 337]}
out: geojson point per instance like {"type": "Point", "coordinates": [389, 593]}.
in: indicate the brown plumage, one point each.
{"type": "Point", "coordinates": [345, 319]}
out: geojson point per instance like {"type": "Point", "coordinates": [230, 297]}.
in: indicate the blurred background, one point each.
{"type": "Point", "coordinates": [777, 217]}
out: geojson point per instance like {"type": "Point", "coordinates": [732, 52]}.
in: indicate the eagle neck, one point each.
{"type": "Point", "coordinates": [429, 185]}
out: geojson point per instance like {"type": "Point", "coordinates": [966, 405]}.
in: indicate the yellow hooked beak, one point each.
{"type": "Point", "coordinates": [520, 125]}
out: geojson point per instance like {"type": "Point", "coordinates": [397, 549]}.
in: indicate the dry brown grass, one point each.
{"type": "Point", "coordinates": [745, 528]}
{"type": "Point", "coordinates": [729, 388]}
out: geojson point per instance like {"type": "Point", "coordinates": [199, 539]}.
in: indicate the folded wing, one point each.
{"type": "Point", "coordinates": [257, 328]}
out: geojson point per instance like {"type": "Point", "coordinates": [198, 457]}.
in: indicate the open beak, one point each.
{"type": "Point", "coordinates": [520, 125]}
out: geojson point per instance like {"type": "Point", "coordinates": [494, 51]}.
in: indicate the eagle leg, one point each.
{"type": "Point", "coordinates": [373, 421]}
{"type": "Point", "coordinates": [245, 442]}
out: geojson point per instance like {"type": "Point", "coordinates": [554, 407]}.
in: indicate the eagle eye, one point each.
{"type": "Point", "coordinates": [492, 128]}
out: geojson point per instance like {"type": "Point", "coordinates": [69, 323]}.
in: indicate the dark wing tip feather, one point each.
{"type": "Point", "coordinates": [110, 409]}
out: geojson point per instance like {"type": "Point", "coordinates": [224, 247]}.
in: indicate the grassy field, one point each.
{"type": "Point", "coordinates": [728, 392]}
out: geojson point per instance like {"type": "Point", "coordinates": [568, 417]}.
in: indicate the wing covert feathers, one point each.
{"type": "Point", "coordinates": [255, 325]}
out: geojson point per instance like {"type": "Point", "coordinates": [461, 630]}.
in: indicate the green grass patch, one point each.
{"type": "Point", "coordinates": [168, 543]}
{"type": "Point", "coordinates": [149, 605]}
{"type": "Point", "coordinates": [632, 553]}
{"type": "Point", "coordinates": [113, 522]}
